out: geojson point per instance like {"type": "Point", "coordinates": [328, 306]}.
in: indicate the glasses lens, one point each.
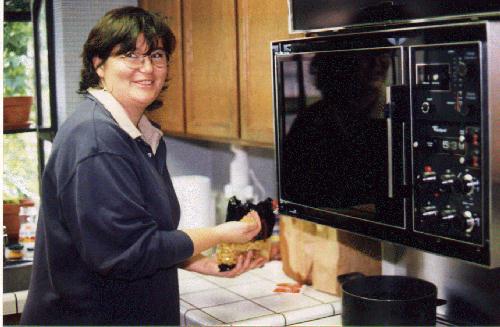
{"type": "Point", "coordinates": [132, 60]}
{"type": "Point", "coordinates": [158, 58]}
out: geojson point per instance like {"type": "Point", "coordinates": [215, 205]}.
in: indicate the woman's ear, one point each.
{"type": "Point", "coordinates": [97, 63]}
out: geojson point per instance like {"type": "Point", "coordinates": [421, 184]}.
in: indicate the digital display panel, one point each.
{"type": "Point", "coordinates": [434, 76]}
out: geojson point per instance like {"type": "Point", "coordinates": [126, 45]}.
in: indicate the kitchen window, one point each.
{"type": "Point", "coordinates": [28, 72]}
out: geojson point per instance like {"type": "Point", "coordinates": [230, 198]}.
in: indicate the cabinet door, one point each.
{"type": "Point", "coordinates": [171, 115]}
{"type": "Point", "coordinates": [210, 68]}
{"type": "Point", "coordinates": [259, 23]}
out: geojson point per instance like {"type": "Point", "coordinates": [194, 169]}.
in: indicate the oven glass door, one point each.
{"type": "Point", "coordinates": [336, 152]}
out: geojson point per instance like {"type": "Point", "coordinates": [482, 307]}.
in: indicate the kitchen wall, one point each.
{"type": "Point", "coordinates": [473, 292]}
{"type": "Point", "coordinates": [188, 157]}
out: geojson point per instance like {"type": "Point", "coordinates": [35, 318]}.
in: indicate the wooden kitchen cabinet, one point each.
{"type": "Point", "coordinates": [259, 23]}
{"type": "Point", "coordinates": [171, 115]}
{"type": "Point", "coordinates": [211, 68]}
{"type": "Point", "coordinates": [221, 84]}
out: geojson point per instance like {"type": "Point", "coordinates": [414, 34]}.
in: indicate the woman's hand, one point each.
{"type": "Point", "coordinates": [239, 231]}
{"type": "Point", "coordinates": [208, 265]}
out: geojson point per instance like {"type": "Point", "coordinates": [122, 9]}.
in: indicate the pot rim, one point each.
{"type": "Point", "coordinates": [432, 294]}
{"type": "Point", "coordinates": [392, 300]}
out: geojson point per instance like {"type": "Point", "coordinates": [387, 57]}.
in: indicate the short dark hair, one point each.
{"type": "Point", "coordinates": [121, 27]}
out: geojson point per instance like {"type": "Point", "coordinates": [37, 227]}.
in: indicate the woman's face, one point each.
{"type": "Point", "coordinates": [134, 86]}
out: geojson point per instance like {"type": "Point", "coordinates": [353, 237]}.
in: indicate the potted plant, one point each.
{"type": "Point", "coordinates": [16, 112]}
{"type": "Point", "coordinates": [18, 67]}
{"type": "Point", "coordinates": [13, 200]}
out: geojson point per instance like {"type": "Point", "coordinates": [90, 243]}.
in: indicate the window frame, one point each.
{"type": "Point", "coordinates": [43, 133]}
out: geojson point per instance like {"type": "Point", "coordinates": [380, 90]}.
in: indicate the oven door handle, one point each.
{"type": "Point", "coordinates": [388, 114]}
{"type": "Point", "coordinates": [396, 113]}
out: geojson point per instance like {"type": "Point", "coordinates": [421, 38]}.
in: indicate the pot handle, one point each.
{"type": "Point", "coordinates": [350, 276]}
{"type": "Point", "coordinates": [440, 302]}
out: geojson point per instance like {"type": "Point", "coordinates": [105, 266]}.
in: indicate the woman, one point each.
{"type": "Point", "coordinates": [107, 247]}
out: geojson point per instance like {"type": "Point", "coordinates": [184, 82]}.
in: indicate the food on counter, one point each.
{"type": "Point", "coordinates": [27, 234]}
{"type": "Point", "coordinates": [14, 252]}
{"type": "Point", "coordinates": [288, 288]}
{"type": "Point", "coordinates": [227, 253]}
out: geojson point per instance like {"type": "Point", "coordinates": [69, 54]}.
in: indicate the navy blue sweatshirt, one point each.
{"type": "Point", "coordinates": [107, 245]}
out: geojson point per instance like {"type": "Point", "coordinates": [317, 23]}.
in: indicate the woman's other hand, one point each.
{"type": "Point", "coordinates": [240, 231]}
{"type": "Point", "coordinates": [208, 265]}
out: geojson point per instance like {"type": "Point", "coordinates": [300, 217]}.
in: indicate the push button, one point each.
{"type": "Point", "coordinates": [425, 107]}
{"type": "Point", "coordinates": [474, 161]}
{"type": "Point", "coordinates": [475, 139]}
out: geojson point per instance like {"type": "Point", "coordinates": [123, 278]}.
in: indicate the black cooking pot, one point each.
{"type": "Point", "coordinates": [387, 300]}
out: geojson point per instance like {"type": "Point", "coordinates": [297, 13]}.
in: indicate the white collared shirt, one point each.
{"type": "Point", "coordinates": [145, 130]}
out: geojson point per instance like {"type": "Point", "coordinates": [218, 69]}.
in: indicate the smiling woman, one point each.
{"type": "Point", "coordinates": [108, 247]}
{"type": "Point", "coordinates": [131, 79]}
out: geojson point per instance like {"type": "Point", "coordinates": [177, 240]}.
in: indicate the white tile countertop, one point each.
{"type": "Point", "coordinates": [13, 302]}
{"type": "Point", "coordinates": [249, 300]}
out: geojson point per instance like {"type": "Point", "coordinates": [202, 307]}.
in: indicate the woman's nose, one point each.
{"type": "Point", "coordinates": [147, 65]}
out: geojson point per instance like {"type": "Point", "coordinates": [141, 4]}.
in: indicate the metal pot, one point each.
{"type": "Point", "coordinates": [388, 300]}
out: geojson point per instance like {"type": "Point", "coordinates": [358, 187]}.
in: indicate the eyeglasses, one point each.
{"type": "Point", "coordinates": [133, 60]}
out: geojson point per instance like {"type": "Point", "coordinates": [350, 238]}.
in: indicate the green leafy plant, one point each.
{"type": "Point", "coordinates": [14, 190]}
{"type": "Point", "coordinates": [17, 5]}
{"type": "Point", "coordinates": [18, 80]}
{"type": "Point", "coordinates": [17, 59]}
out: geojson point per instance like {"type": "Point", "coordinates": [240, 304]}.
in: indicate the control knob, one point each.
{"type": "Point", "coordinates": [448, 183]}
{"type": "Point", "coordinates": [428, 180]}
{"type": "Point", "coordinates": [469, 221]}
{"type": "Point", "coordinates": [469, 184]}
{"type": "Point", "coordinates": [448, 214]}
{"type": "Point", "coordinates": [429, 212]}
{"type": "Point", "coordinates": [425, 107]}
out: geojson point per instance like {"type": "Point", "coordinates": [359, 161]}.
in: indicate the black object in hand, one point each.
{"type": "Point", "coordinates": [237, 210]}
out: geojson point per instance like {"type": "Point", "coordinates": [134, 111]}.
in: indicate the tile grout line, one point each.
{"type": "Point", "coordinates": [225, 287]}
{"type": "Point", "coordinates": [196, 308]}
{"type": "Point", "coordinates": [15, 299]}
{"type": "Point", "coordinates": [245, 298]}
{"type": "Point", "coordinates": [272, 314]}
{"type": "Point", "coordinates": [333, 308]}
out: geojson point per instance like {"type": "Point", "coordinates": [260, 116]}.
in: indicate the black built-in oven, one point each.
{"type": "Point", "coordinates": [391, 134]}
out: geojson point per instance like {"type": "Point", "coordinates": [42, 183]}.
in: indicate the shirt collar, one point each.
{"type": "Point", "coordinates": [145, 130]}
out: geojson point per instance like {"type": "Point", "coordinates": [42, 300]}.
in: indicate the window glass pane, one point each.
{"type": "Point", "coordinates": [20, 166]}
{"type": "Point", "coordinates": [17, 5]}
{"type": "Point", "coordinates": [18, 61]}
{"type": "Point", "coordinates": [44, 66]}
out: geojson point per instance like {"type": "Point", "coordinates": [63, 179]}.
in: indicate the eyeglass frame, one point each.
{"type": "Point", "coordinates": [142, 58]}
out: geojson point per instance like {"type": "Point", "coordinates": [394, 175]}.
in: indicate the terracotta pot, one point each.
{"type": "Point", "coordinates": [16, 111]}
{"type": "Point", "coordinates": [11, 220]}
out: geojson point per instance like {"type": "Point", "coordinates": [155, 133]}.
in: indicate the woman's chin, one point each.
{"type": "Point", "coordinates": [146, 99]}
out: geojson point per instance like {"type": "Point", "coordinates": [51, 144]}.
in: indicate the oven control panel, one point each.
{"type": "Point", "coordinates": [447, 141]}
